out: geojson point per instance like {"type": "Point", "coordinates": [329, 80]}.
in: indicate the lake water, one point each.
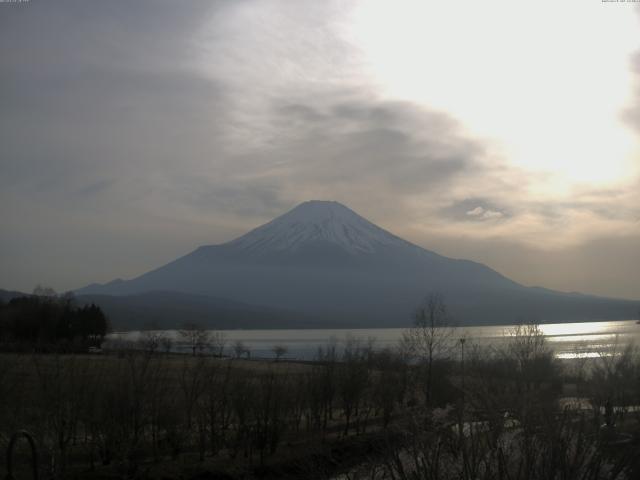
{"type": "Point", "coordinates": [568, 340]}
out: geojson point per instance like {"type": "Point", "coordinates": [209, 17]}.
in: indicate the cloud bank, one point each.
{"type": "Point", "coordinates": [132, 133]}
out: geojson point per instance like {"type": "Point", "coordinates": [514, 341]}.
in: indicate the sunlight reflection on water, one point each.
{"type": "Point", "coordinates": [568, 340]}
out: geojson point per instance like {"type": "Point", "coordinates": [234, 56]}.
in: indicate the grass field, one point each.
{"type": "Point", "coordinates": [363, 414]}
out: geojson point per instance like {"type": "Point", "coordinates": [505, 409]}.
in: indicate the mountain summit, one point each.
{"type": "Point", "coordinates": [323, 259]}
{"type": "Point", "coordinates": [316, 222]}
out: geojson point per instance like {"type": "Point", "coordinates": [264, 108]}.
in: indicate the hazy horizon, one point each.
{"type": "Point", "coordinates": [134, 133]}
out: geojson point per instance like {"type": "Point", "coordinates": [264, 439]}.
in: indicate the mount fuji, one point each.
{"type": "Point", "coordinates": [325, 261]}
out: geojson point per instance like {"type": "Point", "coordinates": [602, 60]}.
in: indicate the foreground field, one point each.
{"type": "Point", "coordinates": [133, 414]}
{"type": "Point", "coordinates": [360, 414]}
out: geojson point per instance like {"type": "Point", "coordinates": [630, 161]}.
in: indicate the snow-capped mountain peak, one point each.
{"type": "Point", "coordinates": [322, 260]}
{"type": "Point", "coordinates": [315, 222]}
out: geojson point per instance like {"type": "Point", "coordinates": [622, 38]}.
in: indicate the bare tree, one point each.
{"type": "Point", "coordinates": [431, 335]}
{"type": "Point", "coordinates": [279, 351]}
{"type": "Point", "coordinates": [151, 340]}
{"type": "Point", "coordinates": [527, 343]}
{"type": "Point", "coordinates": [195, 336]}
{"type": "Point", "coordinates": [611, 385]}
{"type": "Point", "coordinates": [529, 349]}
{"type": "Point", "coordinates": [239, 349]}
{"type": "Point", "coordinates": [166, 343]}
{"type": "Point", "coordinates": [41, 291]}
{"type": "Point", "coordinates": [193, 376]}
{"type": "Point", "coordinates": [218, 341]}
{"type": "Point", "coordinates": [352, 381]}
{"type": "Point", "coordinates": [62, 391]}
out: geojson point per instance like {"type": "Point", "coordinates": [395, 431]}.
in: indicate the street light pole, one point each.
{"type": "Point", "coordinates": [462, 342]}
{"type": "Point", "coordinates": [461, 411]}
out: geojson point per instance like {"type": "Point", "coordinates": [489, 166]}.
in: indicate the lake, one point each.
{"type": "Point", "coordinates": [568, 340]}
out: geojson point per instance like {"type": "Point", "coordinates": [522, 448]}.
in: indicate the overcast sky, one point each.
{"type": "Point", "coordinates": [499, 131]}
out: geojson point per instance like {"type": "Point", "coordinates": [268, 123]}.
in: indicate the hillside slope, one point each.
{"type": "Point", "coordinates": [324, 260]}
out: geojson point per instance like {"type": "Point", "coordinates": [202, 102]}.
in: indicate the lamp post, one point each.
{"type": "Point", "coordinates": [462, 342]}
{"type": "Point", "coordinates": [461, 410]}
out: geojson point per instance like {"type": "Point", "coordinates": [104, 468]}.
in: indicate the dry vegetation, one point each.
{"type": "Point", "coordinates": [353, 414]}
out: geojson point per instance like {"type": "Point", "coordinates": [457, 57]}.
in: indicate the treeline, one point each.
{"type": "Point", "coordinates": [50, 322]}
{"type": "Point", "coordinates": [460, 412]}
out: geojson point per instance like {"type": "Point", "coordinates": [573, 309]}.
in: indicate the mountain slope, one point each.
{"type": "Point", "coordinates": [165, 310]}
{"type": "Point", "coordinates": [323, 259]}
{"type": "Point", "coordinates": [6, 295]}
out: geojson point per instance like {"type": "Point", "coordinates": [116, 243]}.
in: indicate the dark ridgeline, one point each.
{"type": "Point", "coordinates": [50, 322]}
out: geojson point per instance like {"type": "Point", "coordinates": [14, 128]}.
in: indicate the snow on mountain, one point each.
{"type": "Point", "coordinates": [318, 221]}
{"type": "Point", "coordinates": [325, 260]}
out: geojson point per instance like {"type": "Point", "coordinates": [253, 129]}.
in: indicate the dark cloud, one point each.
{"type": "Point", "coordinates": [594, 266]}
{"type": "Point", "coordinates": [104, 93]}
{"type": "Point", "coordinates": [68, 36]}
{"type": "Point", "coordinates": [100, 108]}
{"type": "Point", "coordinates": [389, 146]}
{"type": "Point", "coordinates": [605, 203]}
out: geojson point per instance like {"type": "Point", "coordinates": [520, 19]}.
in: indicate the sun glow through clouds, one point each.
{"type": "Point", "coordinates": [547, 85]}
